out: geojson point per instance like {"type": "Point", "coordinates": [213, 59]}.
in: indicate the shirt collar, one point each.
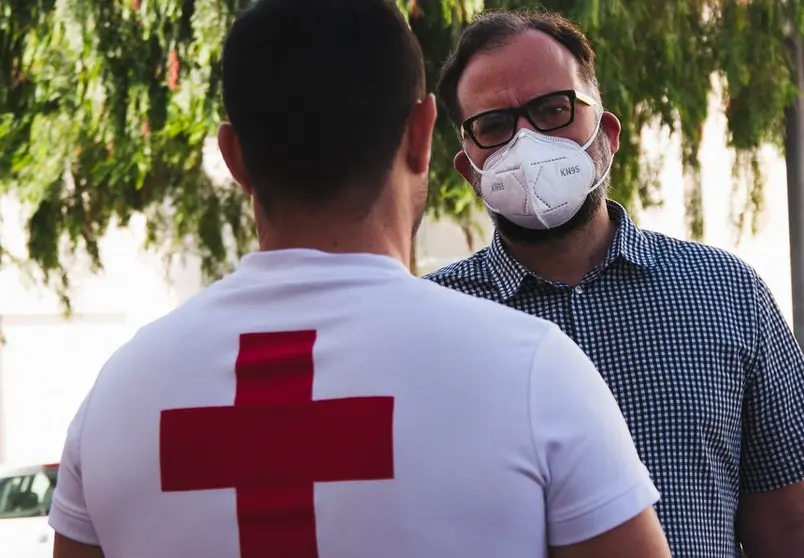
{"type": "Point", "coordinates": [629, 242]}
{"type": "Point", "coordinates": [506, 272]}
{"type": "Point", "coordinates": [629, 245]}
{"type": "Point", "coordinates": [305, 260]}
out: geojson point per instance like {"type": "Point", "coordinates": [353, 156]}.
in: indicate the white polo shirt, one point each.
{"type": "Point", "coordinates": [317, 405]}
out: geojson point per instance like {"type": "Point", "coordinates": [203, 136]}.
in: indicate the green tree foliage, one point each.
{"type": "Point", "coordinates": [105, 106]}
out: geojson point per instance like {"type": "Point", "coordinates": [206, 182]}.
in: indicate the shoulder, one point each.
{"type": "Point", "coordinates": [483, 312]}
{"type": "Point", "coordinates": [175, 335]}
{"type": "Point", "coordinates": [467, 274]}
{"type": "Point", "coordinates": [427, 306]}
{"type": "Point", "coordinates": [700, 263]}
{"type": "Point", "coordinates": [431, 317]}
{"type": "Point", "coordinates": [708, 283]}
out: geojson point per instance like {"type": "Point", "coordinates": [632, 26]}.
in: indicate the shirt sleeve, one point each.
{"type": "Point", "coordinates": [69, 516]}
{"type": "Point", "coordinates": [595, 480]}
{"type": "Point", "coordinates": [773, 406]}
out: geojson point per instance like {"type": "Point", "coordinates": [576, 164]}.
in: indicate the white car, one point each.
{"type": "Point", "coordinates": [25, 496]}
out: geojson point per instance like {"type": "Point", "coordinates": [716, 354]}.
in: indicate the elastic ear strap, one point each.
{"type": "Point", "coordinates": [490, 157]}
{"type": "Point", "coordinates": [472, 163]}
{"type": "Point", "coordinates": [603, 176]}
{"type": "Point", "coordinates": [594, 133]}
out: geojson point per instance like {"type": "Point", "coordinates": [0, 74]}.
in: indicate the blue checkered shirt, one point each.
{"type": "Point", "coordinates": [699, 358]}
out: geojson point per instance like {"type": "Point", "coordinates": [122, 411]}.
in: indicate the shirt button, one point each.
{"type": "Point", "coordinates": [579, 289]}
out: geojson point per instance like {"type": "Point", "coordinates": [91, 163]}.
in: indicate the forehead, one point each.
{"type": "Point", "coordinates": [531, 64]}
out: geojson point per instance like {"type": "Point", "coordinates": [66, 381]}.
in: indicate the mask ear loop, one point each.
{"type": "Point", "coordinates": [596, 131]}
{"type": "Point", "coordinates": [591, 140]}
{"type": "Point", "coordinates": [494, 155]}
{"type": "Point", "coordinates": [604, 176]}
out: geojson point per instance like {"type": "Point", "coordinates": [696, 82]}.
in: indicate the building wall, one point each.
{"type": "Point", "coordinates": [48, 363]}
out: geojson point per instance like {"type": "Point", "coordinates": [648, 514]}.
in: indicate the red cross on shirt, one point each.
{"type": "Point", "coordinates": [275, 442]}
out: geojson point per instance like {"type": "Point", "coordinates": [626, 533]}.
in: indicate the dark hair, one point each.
{"type": "Point", "coordinates": [491, 30]}
{"type": "Point", "coordinates": [319, 93]}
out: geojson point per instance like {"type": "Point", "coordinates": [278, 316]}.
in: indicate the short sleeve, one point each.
{"type": "Point", "coordinates": [773, 407]}
{"type": "Point", "coordinates": [595, 480]}
{"type": "Point", "coordinates": [68, 513]}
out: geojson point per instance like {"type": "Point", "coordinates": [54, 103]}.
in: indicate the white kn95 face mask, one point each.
{"type": "Point", "coordinates": [538, 181]}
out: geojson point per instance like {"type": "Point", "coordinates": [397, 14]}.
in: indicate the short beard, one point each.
{"type": "Point", "coordinates": [600, 151]}
{"type": "Point", "coordinates": [521, 235]}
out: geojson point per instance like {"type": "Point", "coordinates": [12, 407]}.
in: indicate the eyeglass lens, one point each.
{"type": "Point", "coordinates": [544, 113]}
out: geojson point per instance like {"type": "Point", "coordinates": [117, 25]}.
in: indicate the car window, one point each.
{"type": "Point", "coordinates": [27, 495]}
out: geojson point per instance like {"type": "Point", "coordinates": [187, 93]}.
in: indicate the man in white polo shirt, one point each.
{"type": "Point", "coordinates": [321, 401]}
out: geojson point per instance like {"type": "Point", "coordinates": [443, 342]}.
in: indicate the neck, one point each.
{"type": "Point", "coordinates": [569, 259]}
{"type": "Point", "coordinates": [380, 232]}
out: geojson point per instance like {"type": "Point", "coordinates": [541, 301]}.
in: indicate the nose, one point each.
{"type": "Point", "coordinates": [522, 123]}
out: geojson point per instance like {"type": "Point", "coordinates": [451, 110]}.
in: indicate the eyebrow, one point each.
{"type": "Point", "coordinates": [579, 95]}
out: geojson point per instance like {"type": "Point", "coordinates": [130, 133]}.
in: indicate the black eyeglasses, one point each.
{"type": "Point", "coordinates": [546, 113]}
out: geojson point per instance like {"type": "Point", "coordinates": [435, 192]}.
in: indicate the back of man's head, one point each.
{"type": "Point", "coordinates": [318, 93]}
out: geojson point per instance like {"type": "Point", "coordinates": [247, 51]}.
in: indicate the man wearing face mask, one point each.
{"type": "Point", "coordinates": [688, 337]}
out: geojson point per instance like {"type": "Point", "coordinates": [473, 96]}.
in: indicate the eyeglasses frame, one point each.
{"type": "Point", "coordinates": [521, 111]}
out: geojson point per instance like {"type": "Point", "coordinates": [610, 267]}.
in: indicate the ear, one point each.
{"type": "Point", "coordinates": [229, 144]}
{"type": "Point", "coordinates": [420, 134]}
{"type": "Point", "coordinates": [461, 164]}
{"type": "Point", "coordinates": [611, 126]}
